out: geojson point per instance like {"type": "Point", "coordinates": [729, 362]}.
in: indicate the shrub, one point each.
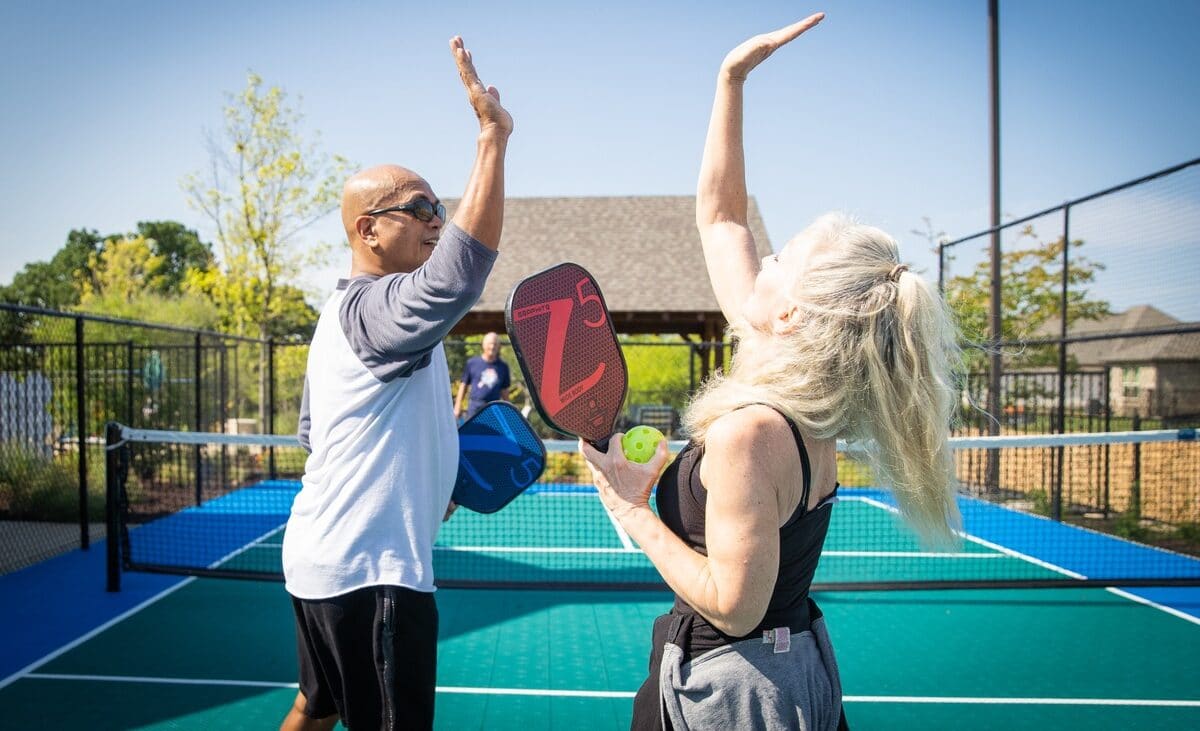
{"type": "Point", "coordinates": [37, 487]}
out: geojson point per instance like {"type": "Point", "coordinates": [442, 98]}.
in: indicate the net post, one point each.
{"type": "Point", "coordinates": [112, 508]}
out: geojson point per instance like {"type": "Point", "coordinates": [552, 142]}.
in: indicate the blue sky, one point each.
{"type": "Point", "coordinates": [881, 111]}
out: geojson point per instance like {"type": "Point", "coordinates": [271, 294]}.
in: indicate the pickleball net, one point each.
{"type": "Point", "coordinates": [1127, 503]}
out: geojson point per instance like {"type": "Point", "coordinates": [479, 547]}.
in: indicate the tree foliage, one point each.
{"type": "Point", "coordinates": [180, 250]}
{"type": "Point", "coordinates": [56, 284]}
{"type": "Point", "coordinates": [154, 259]}
{"type": "Point", "coordinates": [265, 184]}
{"type": "Point", "coordinates": [1030, 293]}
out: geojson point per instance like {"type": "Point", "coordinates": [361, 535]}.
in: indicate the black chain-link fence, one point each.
{"type": "Point", "coordinates": [63, 376]}
{"type": "Point", "coordinates": [1099, 329]}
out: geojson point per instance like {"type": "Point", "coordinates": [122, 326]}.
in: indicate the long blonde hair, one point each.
{"type": "Point", "coordinates": [870, 359]}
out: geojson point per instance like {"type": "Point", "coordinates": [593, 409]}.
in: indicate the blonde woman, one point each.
{"type": "Point", "coordinates": [836, 338]}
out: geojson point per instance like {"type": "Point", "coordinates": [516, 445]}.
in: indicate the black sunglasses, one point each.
{"type": "Point", "coordinates": [421, 209]}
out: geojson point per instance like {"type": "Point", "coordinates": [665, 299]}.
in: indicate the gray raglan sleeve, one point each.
{"type": "Point", "coordinates": [392, 323]}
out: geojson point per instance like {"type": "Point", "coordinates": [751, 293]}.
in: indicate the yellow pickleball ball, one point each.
{"type": "Point", "coordinates": [640, 442]}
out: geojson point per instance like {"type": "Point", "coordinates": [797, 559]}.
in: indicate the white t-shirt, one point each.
{"type": "Point", "coordinates": [379, 424]}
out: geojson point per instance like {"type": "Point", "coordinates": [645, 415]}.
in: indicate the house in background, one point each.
{"type": "Point", "coordinates": [1156, 376]}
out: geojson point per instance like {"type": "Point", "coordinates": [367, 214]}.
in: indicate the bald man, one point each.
{"type": "Point", "coordinates": [381, 435]}
{"type": "Point", "coordinates": [485, 378]}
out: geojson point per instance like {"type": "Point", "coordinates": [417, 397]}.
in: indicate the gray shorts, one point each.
{"type": "Point", "coordinates": [783, 679]}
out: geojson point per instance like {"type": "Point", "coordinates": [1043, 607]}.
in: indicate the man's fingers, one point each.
{"type": "Point", "coordinates": [462, 57]}
{"type": "Point", "coordinates": [468, 74]}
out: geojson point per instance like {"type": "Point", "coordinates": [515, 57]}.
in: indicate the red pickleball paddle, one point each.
{"type": "Point", "coordinates": [563, 340]}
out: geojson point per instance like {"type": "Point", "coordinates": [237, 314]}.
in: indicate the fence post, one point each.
{"type": "Point", "coordinates": [199, 413]}
{"type": "Point", "coordinates": [129, 382]}
{"type": "Point", "coordinates": [1135, 488]}
{"type": "Point", "coordinates": [941, 268]}
{"type": "Point", "coordinates": [271, 405]}
{"type": "Point", "coordinates": [1107, 449]}
{"type": "Point", "coordinates": [112, 506]}
{"type": "Point", "coordinates": [692, 355]}
{"type": "Point", "coordinates": [81, 416]}
{"type": "Point", "coordinates": [1060, 426]}
{"type": "Point", "coordinates": [223, 412]}
{"type": "Point", "coordinates": [995, 314]}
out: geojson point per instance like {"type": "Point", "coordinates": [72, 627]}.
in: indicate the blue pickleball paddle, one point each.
{"type": "Point", "coordinates": [499, 455]}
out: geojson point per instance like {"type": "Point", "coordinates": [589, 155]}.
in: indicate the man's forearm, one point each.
{"type": "Point", "coordinates": [481, 212]}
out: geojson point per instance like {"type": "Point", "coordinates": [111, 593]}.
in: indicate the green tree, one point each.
{"type": "Point", "coordinates": [56, 284]}
{"type": "Point", "coordinates": [124, 268]}
{"type": "Point", "coordinates": [1030, 293]}
{"type": "Point", "coordinates": [180, 249]}
{"type": "Point", "coordinates": [265, 185]}
{"type": "Point", "coordinates": [60, 283]}
{"type": "Point", "coordinates": [130, 281]}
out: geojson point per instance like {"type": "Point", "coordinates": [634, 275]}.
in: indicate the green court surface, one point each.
{"type": "Point", "coordinates": [220, 654]}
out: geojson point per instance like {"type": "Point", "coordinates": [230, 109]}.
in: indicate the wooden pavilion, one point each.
{"type": "Point", "coordinates": [644, 252]}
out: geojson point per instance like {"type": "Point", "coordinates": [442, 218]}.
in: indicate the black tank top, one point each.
{"type": "Point", "coordinates": [681, 503]}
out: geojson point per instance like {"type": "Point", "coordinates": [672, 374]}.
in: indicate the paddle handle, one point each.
{"type": "Point", "coordinates": [601, 445]}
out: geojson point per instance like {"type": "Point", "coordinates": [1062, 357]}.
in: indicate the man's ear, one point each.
{"type": "Point", "coordinates": [365, 227]}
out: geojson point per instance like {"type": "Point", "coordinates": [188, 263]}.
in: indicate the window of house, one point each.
{"type": "Point", "coordinates": [1131, 382]}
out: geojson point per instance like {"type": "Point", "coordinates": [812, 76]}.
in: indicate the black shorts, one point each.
{"type": "Point", "coordinates": [369, 656]}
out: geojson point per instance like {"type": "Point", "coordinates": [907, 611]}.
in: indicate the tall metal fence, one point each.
{"type": "Point", "coordinates": [1100, 319]}
{"type": "Point", "coordinates": [64, 375]}
{"type": "Point", "coordinates": [1103, 283]}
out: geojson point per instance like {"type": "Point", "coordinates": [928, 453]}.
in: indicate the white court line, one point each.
{"type": "Point", "coordinates": [515, 549]}
{"type": "Point", "coordinates": [84, 638]}
{"type": "Point", "coordinates": [1160, 702]}
{"type": "Point", "coordinates": [252, 544]}
{"type": "Point", "coordinates": [634, 549]}
{"type": "Point", "coordinates": [625, 539]}
{"type": "Point", "coordinates": [25, 671]}
{"type": "Point", "coordinates": [911, 554]}
{"type": "Point", "coordinates": [1162, 607]}
{"type": "Point", "coordinates": [1142, 702]}
{"type": "Point", "coordinates": [160, 681]}
{"type": "Point", "coordinates": [987, 544]}
{"type": "Point", "coordinates": [1016, 554]}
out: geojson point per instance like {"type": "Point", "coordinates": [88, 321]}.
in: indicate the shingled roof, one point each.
{"type": "Point", "coordinates": [1150, 349]}
{"type": "Point", "coordinates": [644, 251]}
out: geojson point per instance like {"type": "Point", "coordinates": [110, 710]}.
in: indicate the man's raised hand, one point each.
{"type": "Point", "coordinates": [485, 100]}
